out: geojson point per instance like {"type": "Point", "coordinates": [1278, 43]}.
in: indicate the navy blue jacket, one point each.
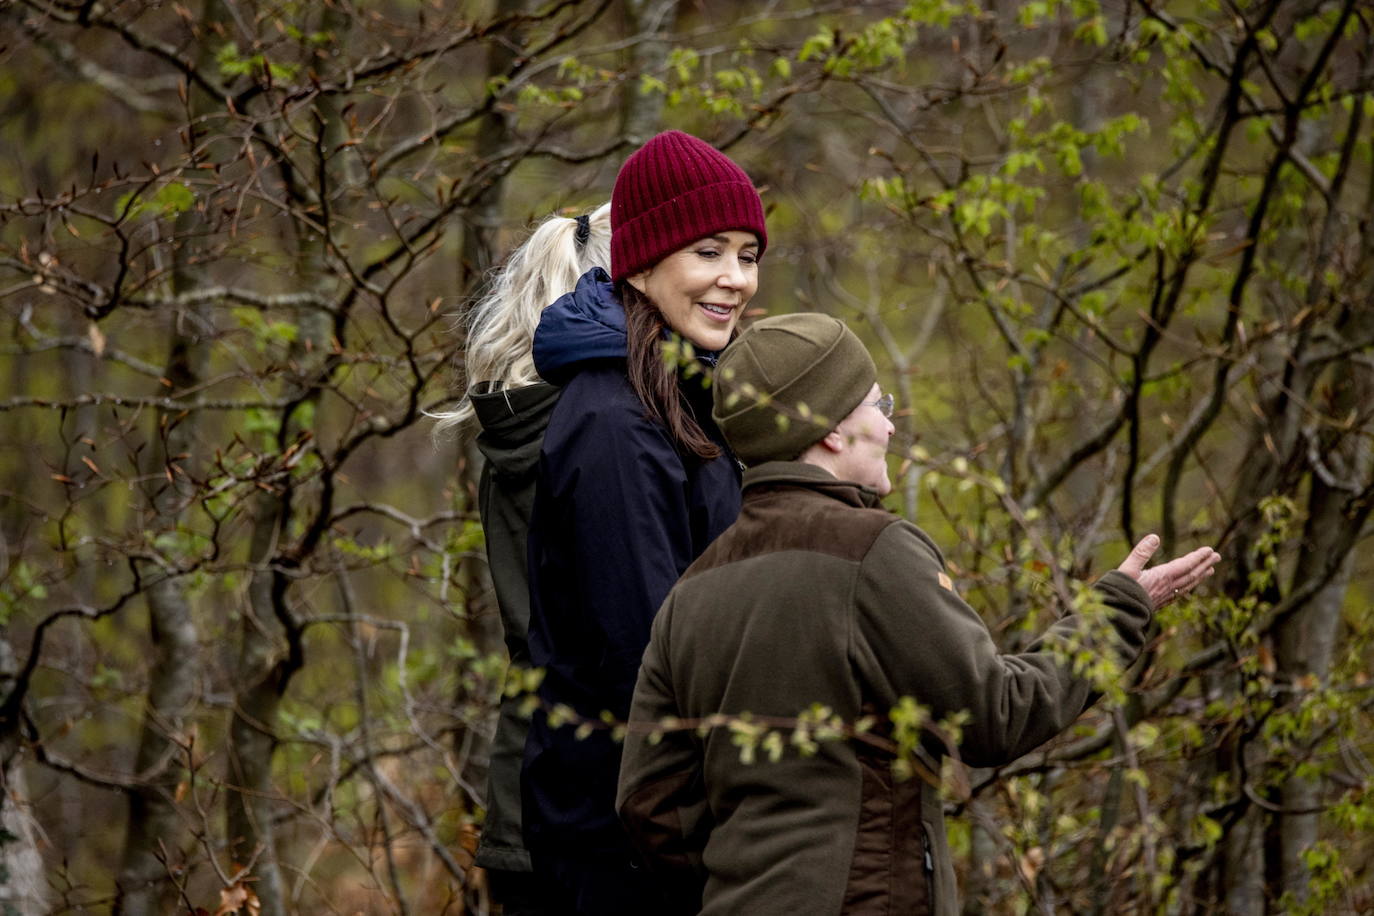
{"type": "Point", "coordinates": [619, 513]}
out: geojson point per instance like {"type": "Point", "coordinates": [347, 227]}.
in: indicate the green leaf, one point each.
{"type": "Point", "coordinates": [230, 63]}
{"type": "Point", "coordinates": [173, 198]}
{"type": "Point", "coordinates": [1094, 31]}
{"type": "Point", "coordinates": [129, 206]}
{"type": "Point", "coordinates": [817, 45]}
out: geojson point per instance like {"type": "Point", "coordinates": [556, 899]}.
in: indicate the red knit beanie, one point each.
{"type": "Point", "coordinates": [674, 190]}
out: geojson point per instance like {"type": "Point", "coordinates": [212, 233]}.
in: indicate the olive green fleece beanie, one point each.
{"type": "Point", "coordinates": [786, 382]}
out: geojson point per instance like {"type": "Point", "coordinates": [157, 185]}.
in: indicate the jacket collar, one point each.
{"type": "Point", "coordinates": [512, 413]}
{"type": "Point", "coordinates": [585, 324]}
{"type": "Point", "coordinates": [810, 477]}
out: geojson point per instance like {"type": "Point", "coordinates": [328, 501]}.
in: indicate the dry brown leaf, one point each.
{"type": "Point", "coordinates": [470, 838]}
{"type": "Point", "coordinates": [1031, 863]}
{"type": "Point", "coordinates": [238, 898]}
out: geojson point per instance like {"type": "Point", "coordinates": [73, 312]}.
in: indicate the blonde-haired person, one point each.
{"type": "Point", "coordinates": [512, 405]}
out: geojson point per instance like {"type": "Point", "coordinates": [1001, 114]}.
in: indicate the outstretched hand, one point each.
{"type": "Point", "coordinates": [1169, 580]}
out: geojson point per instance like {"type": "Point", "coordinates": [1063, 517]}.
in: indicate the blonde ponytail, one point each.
{"type": "Point", "coordinates": [500, 326]}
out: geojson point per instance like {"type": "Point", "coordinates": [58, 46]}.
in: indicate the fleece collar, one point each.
{"type": "Point", "coordinates": [811, 477]}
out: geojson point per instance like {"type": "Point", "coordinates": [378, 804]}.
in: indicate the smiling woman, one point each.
{"type": "Point", "coordinates": [634, 481]}
{"type": "Point", "coordinates": [701, 289]}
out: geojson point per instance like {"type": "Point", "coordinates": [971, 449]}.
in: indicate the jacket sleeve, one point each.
{"type": "Point", "coordinates": [914, 636]}
{"type": "Point", "coordinates": [661, 796]}
{"type": "Point", "coordinates": [621, 509]}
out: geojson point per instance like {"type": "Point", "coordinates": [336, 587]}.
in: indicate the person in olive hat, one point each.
{"type": "Point", "coordinates": [817, 596]}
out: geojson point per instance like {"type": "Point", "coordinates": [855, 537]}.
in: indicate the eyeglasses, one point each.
{"type": "Point", "coordinates": [884, 405]}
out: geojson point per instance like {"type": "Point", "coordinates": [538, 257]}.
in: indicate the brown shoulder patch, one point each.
{"type": "Point", "coordinates": [794, 518]}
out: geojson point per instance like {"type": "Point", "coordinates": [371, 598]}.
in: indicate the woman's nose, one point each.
{"type": "Point", "coordinates": [731, 274]}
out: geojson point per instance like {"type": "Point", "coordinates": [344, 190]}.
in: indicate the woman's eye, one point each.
{"type": "Point", "coordinates": [708, 253]}
{"type": "Point", "coordinates": [749, 257]}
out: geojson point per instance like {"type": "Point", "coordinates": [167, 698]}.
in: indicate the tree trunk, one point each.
{"type": "Point", "coordinates": [482, 226]}
{"type": "Point", "coordinates": [154, 829]}
{"type": "Point", "coordinates": [155, 826]}
{"type": "Point", "coordinates": [265, 667]}
{"type": "Point", "coordinates": [21, 866]}
{"type": "Point", "coordinates": [252, 742]}
{"type": "Point", "coordinates": [482, 221]}
{"type": "Point", "coordinates": [1243, 865]}
{"type": "Point", "coordinates": [642, 113]}
{"type": "Point", "coordinates": [1305, 641]}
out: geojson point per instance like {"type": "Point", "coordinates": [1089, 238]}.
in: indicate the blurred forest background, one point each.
{"type": "Point", "coordinates": [1114, 257]}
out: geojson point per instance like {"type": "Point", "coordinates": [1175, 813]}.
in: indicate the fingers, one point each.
{"type": "Point", "coordinates": [1140, 554]}
{"type": "Point", "coordinates": [1180, 575]}
{"type": "Point", "coordinates": [1169, 580]}
{"type": "Point", "coordinates": [1205, 561]}
{"type": "Point", "coordinates": [1181, 567]}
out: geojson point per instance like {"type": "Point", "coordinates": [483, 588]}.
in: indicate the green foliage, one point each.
{"type": "Point", "coordinates": [232, 63]}
{"type": "Point", "coordinates": [266, 335]}
{"type": "Point", "coordinates": [531, 96]}
{"type": "Point", "coordinates": [20, 585]}
{"type": "Point", "coordinates": [170, 199]}
{"type": "Point", "coordinates": [908, 719]}
{"type": "Point", "coordinates": [1329, 885]}
{"type": "Point", "coordinates": [374, 553]}
{"type": "Point", "coordinates": [180, 546]}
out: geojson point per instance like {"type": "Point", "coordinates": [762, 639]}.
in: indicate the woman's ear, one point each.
{"type": "Point", "coordinates": [639, 280]}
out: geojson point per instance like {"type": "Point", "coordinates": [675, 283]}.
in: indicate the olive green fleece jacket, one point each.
{"type": "Point", "coordinates": [815, 596]}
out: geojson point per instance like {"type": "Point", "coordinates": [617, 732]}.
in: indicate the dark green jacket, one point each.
{"type": "Point", "coordinates": [814, 596]}
{"type": "Point", "coordinates": [513, 422]}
